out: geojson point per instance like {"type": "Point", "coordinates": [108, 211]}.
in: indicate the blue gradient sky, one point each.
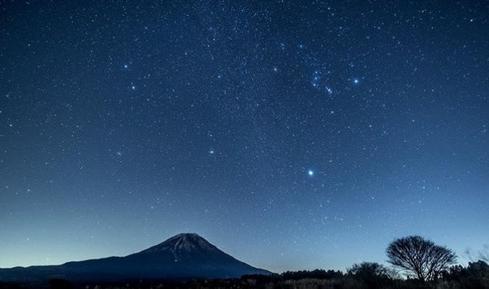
{"type": "Point", "coordinates": [292, 135]}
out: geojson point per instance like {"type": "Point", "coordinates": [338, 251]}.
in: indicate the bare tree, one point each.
{"type": "Point", "coordinates": [420, 258]}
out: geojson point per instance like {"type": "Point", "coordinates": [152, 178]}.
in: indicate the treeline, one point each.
{"type": "Point", "coordinates": [360, 276]}
{"type": "Point", "coordinates": [375, 276]}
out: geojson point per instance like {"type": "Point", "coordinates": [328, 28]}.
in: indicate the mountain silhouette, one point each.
{"type": "Point", "coordinates": [182, 256]}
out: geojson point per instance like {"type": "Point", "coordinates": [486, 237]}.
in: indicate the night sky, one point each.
{"type": "Point", "coordinates": [292, 135]}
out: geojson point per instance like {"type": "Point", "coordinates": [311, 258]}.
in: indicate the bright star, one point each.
{"type": "Point", "coordinates": [310, 173]}
{"type": "Point", "coordinates": [356, 81]}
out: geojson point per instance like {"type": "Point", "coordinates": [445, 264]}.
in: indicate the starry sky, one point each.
{"type": "Point", "coordinates": [291, 134]}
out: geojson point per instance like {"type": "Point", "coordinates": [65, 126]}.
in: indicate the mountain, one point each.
{"type": "Point", "coordinates": [182, 256]}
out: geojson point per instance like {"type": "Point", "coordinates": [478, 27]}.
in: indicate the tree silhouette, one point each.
{"type": "Point", "coordinates": [368, 270]}
{"type": "Point", "coordinates": [372, 275]}
{"type": "Point", "coordinates": [420, 258]}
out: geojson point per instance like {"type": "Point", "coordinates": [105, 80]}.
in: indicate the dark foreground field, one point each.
{"type": "Point", "coordinates": [363, 276]}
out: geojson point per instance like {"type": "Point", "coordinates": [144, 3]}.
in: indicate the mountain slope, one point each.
{"type": "Point", "coordinates": [182, 256]}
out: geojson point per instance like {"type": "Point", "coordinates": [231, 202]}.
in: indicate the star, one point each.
{"type": "Point", "coordinates": [356, 81]}
{"type": "Point", "coordinates": [329, 90]}
{"type": "Point", "coordinates": [316, 79]}
{"type": "Point", "coordinates": [310, 173]}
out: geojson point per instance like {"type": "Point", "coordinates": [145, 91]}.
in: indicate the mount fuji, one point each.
{"type": "Point", "coordinates": [182, 256]}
